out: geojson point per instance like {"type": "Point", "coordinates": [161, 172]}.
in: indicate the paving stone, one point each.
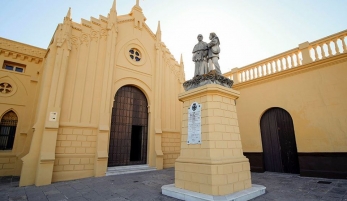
{"type": "Point", "coordinates": [17, 198]}
{"type": "Point", "coordinates": [77, 199]}
{"type": "Point", "coordinates": [147, 186]}
{"type": "Point", "coordinates": [56, 197]}
{"type": "Point", "coordinates": [52, 192]}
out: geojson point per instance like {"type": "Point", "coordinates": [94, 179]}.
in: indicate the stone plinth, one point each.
{"type": "Point", "coordinates": [217, 165]}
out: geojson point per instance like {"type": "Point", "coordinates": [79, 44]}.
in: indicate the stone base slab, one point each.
{"type": "Point", "coordinates": [182, 194]}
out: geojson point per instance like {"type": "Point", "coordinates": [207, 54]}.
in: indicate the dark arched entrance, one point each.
{"type": "Point", "coordinates": [8, 126]}
{"type": "Point", "coordinates": [278, 138]}
{"type": "Point", "coordinates": [129, 127]}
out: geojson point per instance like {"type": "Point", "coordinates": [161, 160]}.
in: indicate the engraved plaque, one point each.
{"type": "Point", "coordinates": [194, 124]}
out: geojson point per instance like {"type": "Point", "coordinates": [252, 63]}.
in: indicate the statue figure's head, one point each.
{"type": "Point", "coordinates": [200, 37]}
{"type": "Point", "coordinates": [212, 35]}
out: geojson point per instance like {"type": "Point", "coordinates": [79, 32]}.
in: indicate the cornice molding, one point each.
{"type": "Point", "coordinates": [293, 71]}
{"type": "Point", "coordinates": [16, 49]}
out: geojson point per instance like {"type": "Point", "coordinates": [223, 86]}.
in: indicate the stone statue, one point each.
{"type": "Point", "coordinates": [206, 74]}
{"type": "Point", "coordinates": [199, 57]}
{"type": "Point", "coordinates": [213, 53]}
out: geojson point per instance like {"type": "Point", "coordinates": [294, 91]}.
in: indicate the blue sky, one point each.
{"type": "Point", "coordinates": [249, 30]}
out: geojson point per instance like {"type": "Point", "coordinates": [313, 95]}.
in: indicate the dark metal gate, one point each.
{"type": "Point", "coordinates": [8, 125]}
{"type": "Point", "coordinates": [129, 127]}
{"type": "Point", "coordinates": [279, 144]}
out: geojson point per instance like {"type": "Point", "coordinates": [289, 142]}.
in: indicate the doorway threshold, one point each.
{"type": "Point", "coordinates": [117, 170]}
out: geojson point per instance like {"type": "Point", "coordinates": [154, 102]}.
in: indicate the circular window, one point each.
{"type": "Point", "coordinates": [5, 88]}
{"type": "Point", "coordinates": [135, 54]}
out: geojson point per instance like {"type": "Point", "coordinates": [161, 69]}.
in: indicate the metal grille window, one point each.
{"type": "Point", "coordinates": [8, 125]}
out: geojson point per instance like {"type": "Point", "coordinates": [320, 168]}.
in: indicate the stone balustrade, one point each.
{"type": "Point", "coordinates": [305, 53]}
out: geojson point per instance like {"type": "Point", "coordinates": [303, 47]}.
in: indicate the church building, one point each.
{"type": "Point", "coordinates": [105, 93]}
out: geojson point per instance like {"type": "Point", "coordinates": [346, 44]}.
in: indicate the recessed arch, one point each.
{"type": "Point", "coordinates": [129, 127]}
{"type": "Point", "coordinates": [278, 140]}
{"type": "Point", "coordinates": [8, 126]}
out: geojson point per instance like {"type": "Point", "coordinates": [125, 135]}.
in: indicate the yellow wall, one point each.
{"type": "Point", "coordinates": [85, 66]}
{"type": "Point", "coordinates": [22, 100]}
{"type": "Point", "coordinates": [315, 96]}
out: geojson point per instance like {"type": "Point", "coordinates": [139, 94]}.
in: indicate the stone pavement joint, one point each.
{"type": "Point", "coordinates": [147, 186]}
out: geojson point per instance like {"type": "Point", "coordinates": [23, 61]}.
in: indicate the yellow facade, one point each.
{"type": "Point", "coordinates": [63, 96]}
{"type": "Point", "coordinates": [309, 83]}
{"type": "Point", "coordinates": [21, 98]}
{"type": "Point", "coordinates": [68, 91]}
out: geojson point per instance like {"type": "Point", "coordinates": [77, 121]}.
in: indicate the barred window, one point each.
{"type": "Point", "coordinates": [8, 125]}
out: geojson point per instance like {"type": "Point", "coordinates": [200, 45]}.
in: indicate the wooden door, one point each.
{"type": "Point", "coordinates": [278, 138]}
{"type": "Point", "coordinates": [129, 128]}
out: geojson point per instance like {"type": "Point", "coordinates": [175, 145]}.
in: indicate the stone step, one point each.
{"type": "Point", "coordinates": [117, 170]}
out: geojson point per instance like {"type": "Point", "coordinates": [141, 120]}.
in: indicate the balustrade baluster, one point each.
{"type": "Point", "coordinates": [279, 67]}
{"type": "Point", "coordinates": [275, 66]}
{"type": "Point", "coordinates": [322, 51]}
{"type": "Point", "coordinates": [264, 69]}
{"type": "Point", "coordinates": [287, 64]}
{"type": "Point", "coordinates": [343, 44]}
{"type": "Point", "coordinates": [329, 49]}
{"type": "Point", "coordinates": [336, 47]}
{"type": "Point", "coordinates": [268, 67]}
{"type": "Point", "coordinates": [260, 74]}
{"type": "Point", "coordinates": [292, 61]}
{"type": "Point", "coordinates": [255, 72]}
{"type": "Point", "coordinates": [316, 52]}
{"type": "Point", "coordinates": [298, 59]}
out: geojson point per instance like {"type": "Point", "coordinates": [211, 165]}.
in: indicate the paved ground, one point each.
{"type": "Point", "coordinates": [146, 186]}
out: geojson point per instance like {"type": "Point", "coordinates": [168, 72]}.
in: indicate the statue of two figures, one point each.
{"type": "Point", "coordinates": [206, 55]}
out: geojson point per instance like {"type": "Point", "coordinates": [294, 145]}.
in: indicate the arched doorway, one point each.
{"type": "Point", "coordinates": [278, 138]}
{"type": "Point", "coordinates": [129, 128]}
{"type": "Point", "coordinates": [8, 126]}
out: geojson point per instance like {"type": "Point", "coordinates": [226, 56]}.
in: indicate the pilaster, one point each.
{"type": "Point", "coordinates": [38, 163]}
{"type": "Point", "coordinates": [101, 155]}
{"type": "Point", "coordinates": [158, 101]}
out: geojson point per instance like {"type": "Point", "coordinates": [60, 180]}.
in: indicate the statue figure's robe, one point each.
{"type": "Point", "coordinates": [199, 57]}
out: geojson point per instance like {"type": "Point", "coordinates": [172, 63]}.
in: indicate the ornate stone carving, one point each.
{"type": "Point", "coordinates": [210, 78]}
{"type": "Point", "coordinates": [103, 32]}
{"type": "Point", "coordinates": [94, 35]}
{"type": "Point", "coordinates": [84, 38]}
{"type": "Point", "coordinates": [74, 40]}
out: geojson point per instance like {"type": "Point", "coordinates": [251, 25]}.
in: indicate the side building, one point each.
{"type": "Point", "coordinates": [292, 110]}
{"type": "Point", "coordinates": [104, 93]}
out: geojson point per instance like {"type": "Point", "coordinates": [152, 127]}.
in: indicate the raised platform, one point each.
{"type": "Point", "coordinates": [181, 194]}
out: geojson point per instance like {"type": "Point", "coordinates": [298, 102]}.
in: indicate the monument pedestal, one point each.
{"type": "Point", "coordinates": [217, 166]}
